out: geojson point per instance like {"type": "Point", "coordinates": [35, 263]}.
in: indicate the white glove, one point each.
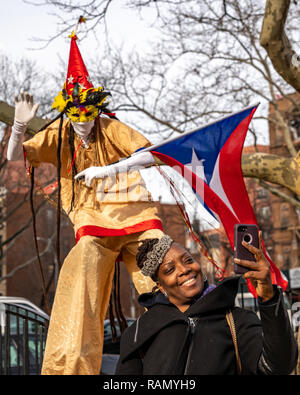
{"type": "Point", "coordinates": [135, 162]}
{"type": "Point", "coordinates": [25, 111]}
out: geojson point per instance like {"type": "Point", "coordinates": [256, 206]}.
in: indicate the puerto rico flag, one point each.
{"type": "Point", "coordinates": [209, 158]}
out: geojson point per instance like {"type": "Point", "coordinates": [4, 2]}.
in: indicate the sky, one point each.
{"type": "Point", "coordinates": [21, 22]}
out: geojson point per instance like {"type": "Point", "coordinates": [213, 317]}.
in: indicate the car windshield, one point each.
{"type": "Point", "coordinates": [107, 327]}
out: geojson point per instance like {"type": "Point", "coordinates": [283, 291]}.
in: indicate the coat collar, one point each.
{"type": "Point", "coordinates": [222, 296]}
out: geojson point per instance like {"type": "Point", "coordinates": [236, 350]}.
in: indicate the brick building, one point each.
{"type": "Point", "coordinates": [286, 220]}
{"type": "Point", "coordinates": [19, 266]}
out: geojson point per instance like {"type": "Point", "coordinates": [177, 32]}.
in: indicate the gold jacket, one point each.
{"type": "Point", "coordinates": [111, 206]}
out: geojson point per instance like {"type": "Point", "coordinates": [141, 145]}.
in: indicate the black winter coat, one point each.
{"type": "Point", "coordinates": [165, 341]}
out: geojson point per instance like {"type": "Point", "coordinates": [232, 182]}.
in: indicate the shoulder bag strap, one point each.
{"type": "Point", "coordinates": [231, 324]}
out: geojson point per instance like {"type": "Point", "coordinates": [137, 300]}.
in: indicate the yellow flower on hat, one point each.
{"type": "Point", "coordinates": [59, 102]}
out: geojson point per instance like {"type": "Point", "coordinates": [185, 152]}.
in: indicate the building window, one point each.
{"type": "Point", "coordinates": [262, 193]}
{"type": "Point", "coordinates": [284, 215]}
{"type": "Point", "coordinates": [279, 137]}
{"type": "Point", "coordinates": [286, 258]}
{"type": "Point", "coordinates": [295, 128]}
{"type": "Point", "coordinates": [266, 234]}
{"type": "Point", "coordinates": [191, 244]}
{"type": "Point", "coordinates": [265, 212]}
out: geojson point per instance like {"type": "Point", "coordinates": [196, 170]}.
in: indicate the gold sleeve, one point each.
{"type": "Point", "coordinates": [42, 148]}
{"type": "Point", "coordinates": [129, 139]}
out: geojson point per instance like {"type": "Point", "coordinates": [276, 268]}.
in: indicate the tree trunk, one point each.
{"type": "Point", "coordinates": [275, 169]}
{"type": "Point", "coordinates": [276, 43]}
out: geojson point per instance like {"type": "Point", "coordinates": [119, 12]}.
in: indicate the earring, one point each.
{"type": "Point", "coordinates": [165, 293]}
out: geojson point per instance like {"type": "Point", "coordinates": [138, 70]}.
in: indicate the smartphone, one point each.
{"type": "Point", "coordinates": [249, 234]}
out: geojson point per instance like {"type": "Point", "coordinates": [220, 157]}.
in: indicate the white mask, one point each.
{"type": "Point", "coordinates": [83, 129]}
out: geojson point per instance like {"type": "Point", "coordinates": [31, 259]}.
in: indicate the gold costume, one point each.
{"type": "Point", "coordinates": [110, 217]}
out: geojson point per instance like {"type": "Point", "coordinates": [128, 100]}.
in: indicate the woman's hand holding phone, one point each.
{"type": "Point", "coordinates": [259, 271]}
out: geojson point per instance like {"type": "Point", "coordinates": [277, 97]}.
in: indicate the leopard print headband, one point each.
{"type": "Point", "coordinates": [156, 255]}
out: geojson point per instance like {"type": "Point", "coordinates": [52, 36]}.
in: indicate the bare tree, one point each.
{"type": "Point", "coordinates": [16, 242]}
{"type": "Point", "coordinates": [207, 61]}
{"type": "Point", "coordinates": [24, 74]}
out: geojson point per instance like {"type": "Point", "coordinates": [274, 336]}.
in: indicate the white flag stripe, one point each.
{"type": "Point", "coordinates": [216, 185]}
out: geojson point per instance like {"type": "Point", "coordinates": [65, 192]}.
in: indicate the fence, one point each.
{"type": "Point", "coordinates": [22, 340]}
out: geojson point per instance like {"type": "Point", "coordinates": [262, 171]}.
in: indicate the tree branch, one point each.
{"type": "Point", "coordinates": [7, 114]}
{"type": "Point", "coordinates": [275, 169]}
{"type": "Point", "coordinates": [276, 43]}
{"type": "Point", "coordinates": [280, 194]}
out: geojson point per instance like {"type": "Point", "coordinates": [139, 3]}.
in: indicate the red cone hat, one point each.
{"type": "Point", "coordinates": [77, 71]}
{"type": "Point", "coordinates": [78, 98]}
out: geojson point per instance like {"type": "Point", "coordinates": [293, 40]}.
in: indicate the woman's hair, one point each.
{"type": "Point", "coordinates": [143, 250]}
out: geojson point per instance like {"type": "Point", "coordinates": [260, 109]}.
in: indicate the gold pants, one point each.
{"type": "Point", "coordinates": [75, 336]}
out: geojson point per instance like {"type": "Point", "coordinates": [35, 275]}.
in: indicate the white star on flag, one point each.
{"type": "Point", "coordinates": [197, 167]}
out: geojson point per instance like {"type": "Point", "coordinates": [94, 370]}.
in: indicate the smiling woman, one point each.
{"type": "Point", "coordinates": [179, 277]}
{"type": "Point", "coordinates": [193, 328]}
